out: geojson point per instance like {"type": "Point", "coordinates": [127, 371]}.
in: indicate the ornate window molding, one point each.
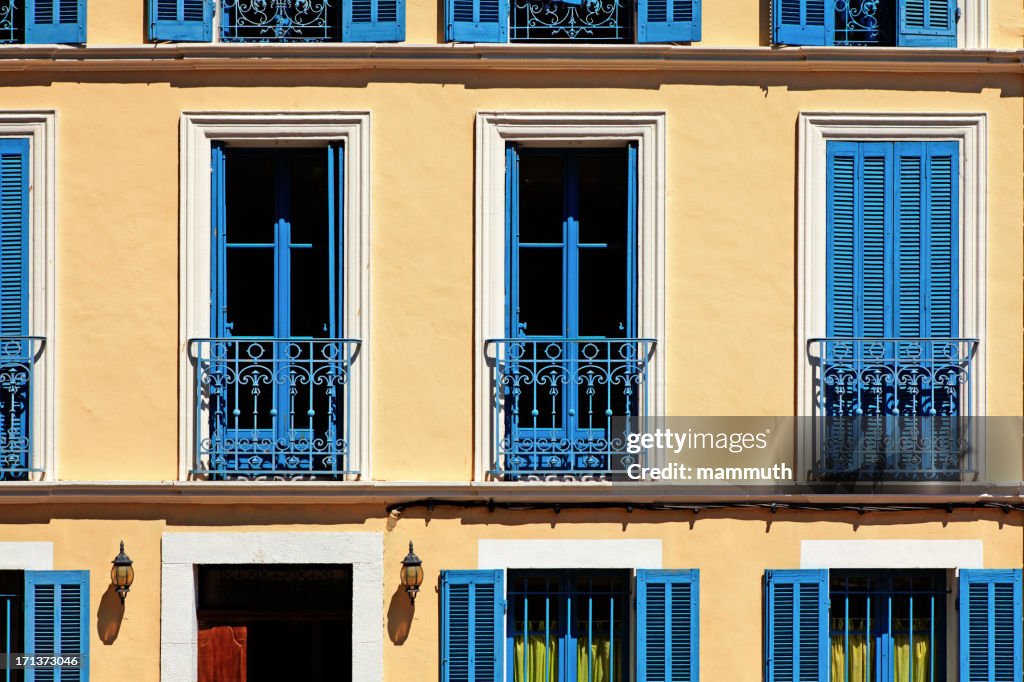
{"type": "Point", "coordinates": [570, 129]}
{"type": "Point", "coordinates": [198, 130]}
{"type": "Point", "coordinates": [39, 127]}
{"type": "Point", "coordinates": [814, 131]}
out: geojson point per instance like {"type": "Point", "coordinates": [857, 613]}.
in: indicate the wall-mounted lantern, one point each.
{"type": "Point", "coordinates": [412, 574]}
{"type": "Point", "coordinates": [122, 574]}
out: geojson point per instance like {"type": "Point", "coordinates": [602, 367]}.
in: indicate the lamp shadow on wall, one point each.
{"type": "Point", "coordinates": [109, 616]}
{"type": "Point", "coordinates": [400, 613]}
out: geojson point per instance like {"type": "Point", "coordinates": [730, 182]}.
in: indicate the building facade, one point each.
{"type": "Point", "coordinates": [287, 286]}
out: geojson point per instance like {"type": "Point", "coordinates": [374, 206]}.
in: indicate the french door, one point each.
{"type": "Point", "coordinates": [571, 303]}
{"type": "Point", "coordinates": [276, 311]}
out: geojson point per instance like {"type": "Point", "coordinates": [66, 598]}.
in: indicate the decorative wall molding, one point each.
{"type": "Point", "coordinates": [514, 57]}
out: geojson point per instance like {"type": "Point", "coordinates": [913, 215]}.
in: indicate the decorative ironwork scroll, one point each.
{"type": "Point", "coordinates": [273, 408]}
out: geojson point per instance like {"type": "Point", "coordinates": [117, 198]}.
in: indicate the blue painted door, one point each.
{"type": "Point", "coordinates": [570, 291]}
{"type": "Point", "coordinates": [276, 274]}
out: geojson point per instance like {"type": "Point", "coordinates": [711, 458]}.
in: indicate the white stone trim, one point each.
{"type": "Point", "coordinates": [182, 552]}
{"type": "Point", "coordinates": [972, 30]}
{"type": "Point", "coordinates": [815, 129]}
{"type": "Point", "coordinates": [26, 556]}
{"type": "Point", "coordinates": [892, 554]}
{"type": "Point", "coordinates": [492, 554]}
{"type": "Point", "coordinates": [198, 130]}
{"type": "Point", "coordinates": [578, 129]}
{"type": "Point", "coordinates": [40, 129]}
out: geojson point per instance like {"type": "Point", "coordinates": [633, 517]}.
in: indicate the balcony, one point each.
{"type": "Point", "coordinates": [893, 409]}
{"type": "Point", "coordinates": [18, 356]}
{"type": "Point", "coordinates": [273, 408]}
{"type": "Point", "coordinates": [564, 406]}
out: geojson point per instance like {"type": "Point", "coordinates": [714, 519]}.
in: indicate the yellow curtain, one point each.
{"type": "Point", "coordinates": [534, 670]}
{"type": "Point", "coordinates": [911, 666]}
{"type": "Point", "coordinates": [858, 658]}
{"type": "Point", "coordinates": [535, 660]}
{"type": "Point", "coordinates": [905, 668]}
{"type": "Point", "coordinates": [601, 659]}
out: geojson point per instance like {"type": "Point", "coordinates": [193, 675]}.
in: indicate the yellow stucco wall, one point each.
{"type": "Point", "coordinates": [730, 344]}
{"type": "Point", "coordinates": [731, 23]}
{"type": "Point", "coordinates": [731, 549]}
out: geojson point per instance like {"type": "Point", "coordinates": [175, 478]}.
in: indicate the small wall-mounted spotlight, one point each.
{"type": "Point", "coordinates": [122, 575]}
{"type": "Point", "coordinates": [412, 574]}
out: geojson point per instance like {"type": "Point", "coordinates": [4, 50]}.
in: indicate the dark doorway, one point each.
{"type": "Point", "coordinates": [266, 623]}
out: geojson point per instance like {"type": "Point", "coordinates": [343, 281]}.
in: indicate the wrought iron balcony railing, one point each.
{"type": "Point", "coordinates": [18, 356]}
{"type": "Point", "coordinates": [604, 21]}
{"type": "Point", "coordinates": [273, 408]}
{"type": "Point", "coordinates": [565, 406]}
{"type": "Point", "coordinates": [893, 409]}
{"type": "Point", "coordinates": [276, 21]}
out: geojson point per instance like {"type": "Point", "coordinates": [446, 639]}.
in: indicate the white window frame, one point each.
{"type": "Point", "coordinates": [39, 127]}
{"type": "Point", "coordinates": [182, 553]}
{"type": "Point", "coordinates": [815, 130]}
{"type": "Point", "coordinates": [198, 131]}
{"type": "Point", "coordinates": [563, 129]}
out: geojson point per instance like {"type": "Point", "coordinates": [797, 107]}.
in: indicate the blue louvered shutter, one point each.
{"type": "Point", "coordinates": [927, 23]}
{"type": "Point", "coordinates": [802, 22]}
{"type": "Point", "coordinates": [859, 232]}
{"type": "Point", "coordinates": [366, 21]}
{"type": "Point", "coordinates": [668, 21]}
{"type": "Point", "coordinates": [926, 243]}
{"type": "Point", "coordinates": [667, 628]}
{"type": "Point", "coordinates": [472, 625]}
{"type": "Point", "coordinates": [476, 21]}
{"type": "Point", "coordinates": [990, 625]}
{"type": "Point", "coordinates": [14, 237]}
{"type": "Point", "coordinates": [181, 20]}
{"type": "Point", "coordinates": [57, 622]}
{"type": "Point", "coordinates": [796, 626]}
{"type": "Point", "coordinates": [55, 21]}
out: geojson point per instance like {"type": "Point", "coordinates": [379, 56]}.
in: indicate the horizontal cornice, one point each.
{"type": "Point", "coordinates": [400, 493]}
{"type": "Point", "coordinates": [509, 57]}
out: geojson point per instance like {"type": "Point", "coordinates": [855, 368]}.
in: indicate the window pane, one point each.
{"type": "Point", "coordinates": [250, 284]}
{"type": "Point", "coordinates": [540, 291]}
{"type": "Point", "coordinates": [250, 197]}
{"type": "Point", "coordinates": [603, 208]}
{"type": "Point", "coordinates": [541, 198]}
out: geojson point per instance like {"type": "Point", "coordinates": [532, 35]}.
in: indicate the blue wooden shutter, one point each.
{"type": "Point", "coordinates": [472, 625]}
{"type": "Point", "coordinates": [668, 21]}
{"type": "Point", "coordinates": [218, 242]}
{"type": "Point", "coordinates": [927, 23]}
{"type": "Point", "coordinates": [796, 626]}
{"type": "Point", "coordinates": [927, 239]}
{"type": "Point", "coordinates": [990, 625]}
{"type": "Point", "coordinates": [13, 237]}
{"type": "Point", "coordinates": [57, 622]}
{"type": "Point", "coordinates": [370, 21]}
{"type": "Point", "coordinates": [55, 21]}
{"type": "Point", "coordinates": [476, 21]}
{"type": "Point", "coordinates": [181, 20]}
{"type": "Point", "coordinates": [802, 22]}
{"type": "Point", "coordinates": [667, 628]}
{"type": "Point", "coordinates": [859, 233]}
